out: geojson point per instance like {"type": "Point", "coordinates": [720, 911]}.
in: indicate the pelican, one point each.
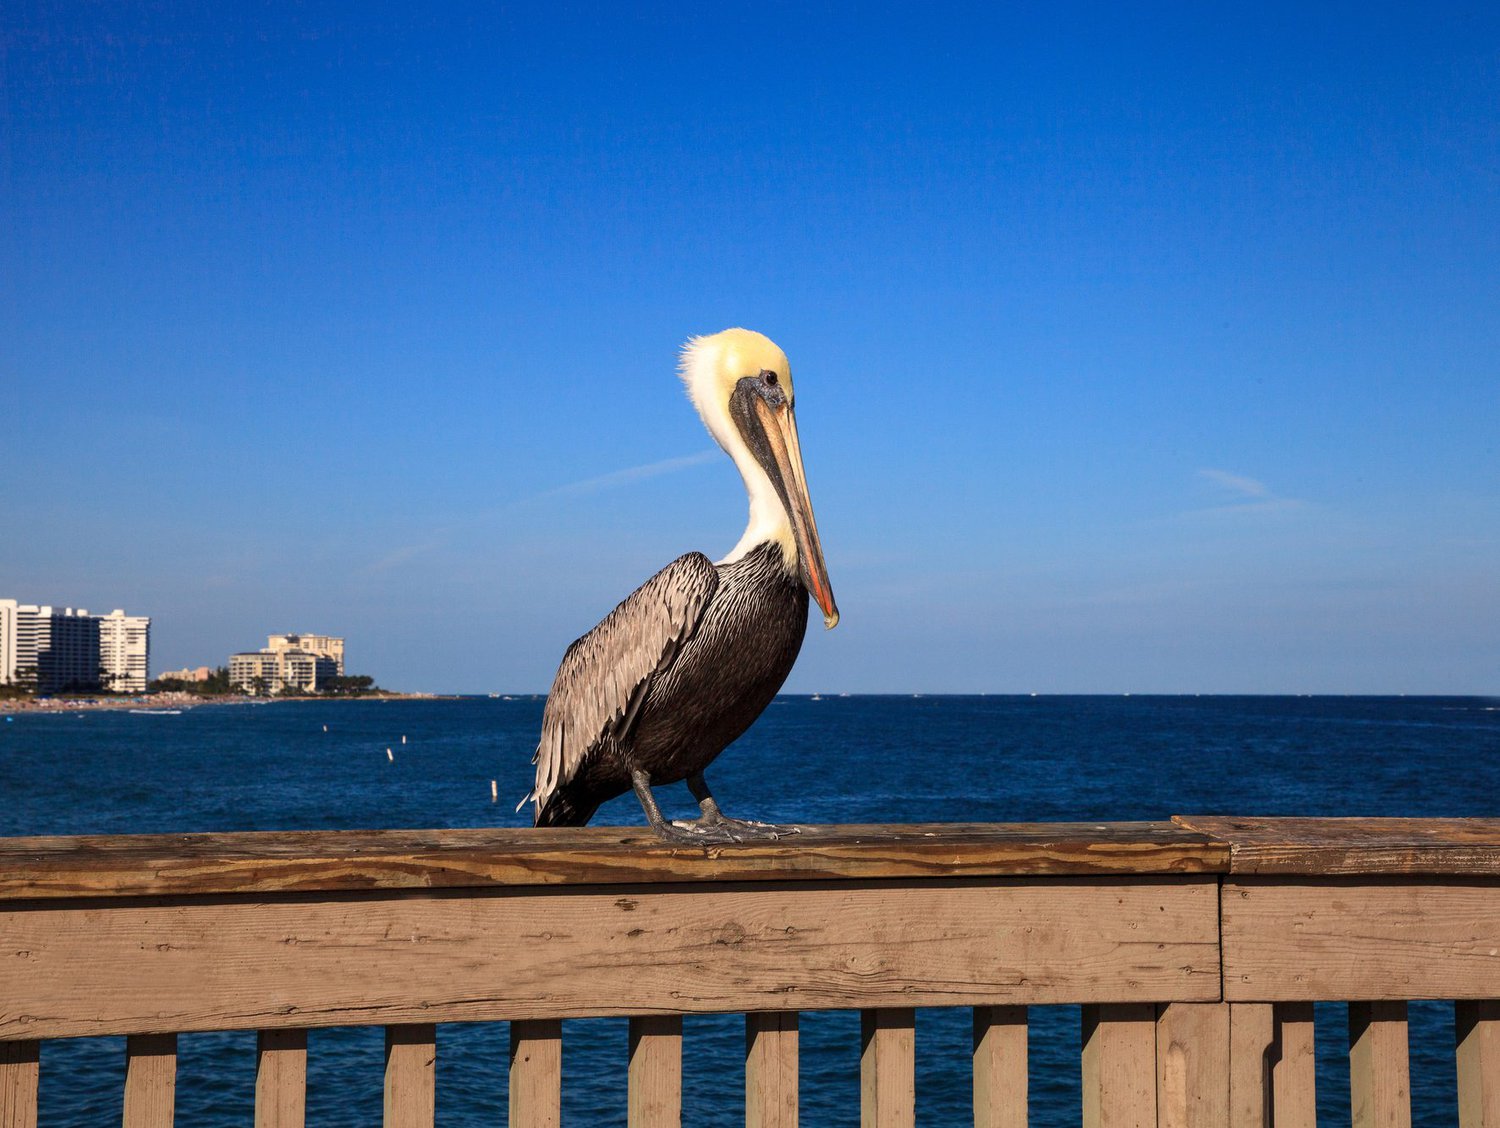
{"type": "Point", "coordinates": [687, 661]}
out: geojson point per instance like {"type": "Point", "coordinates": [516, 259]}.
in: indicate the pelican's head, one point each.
{"type": "Point", "coordinates": [741, 384]}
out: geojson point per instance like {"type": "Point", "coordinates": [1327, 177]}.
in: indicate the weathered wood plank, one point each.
{"type": "Point", "coordinates": [1302, 939]}
{"type": "Point", "coordinates": [1119, 1066]}
{"type": "Point", "coordinates": [150, 1080]}
{"type": "Point", "coordinates": [281, 1079]}
{"type": "Point", "coordinates": [1000, 1064]}
{"type": "Point", "coordinates": [410, 1075]}
{"type": "Point", "coordinates": [217, 965]}
{"type": "Point", "coordinates": [1251, 1035]}
{"type": "Point", "coordinates": [887, 1068]}
{"type": "Point", "coordinates": [1329, 847]}
{"type": "Point", "coordinates": [327, 861]}
{"type": "Point", "coordinates": [1271, 1066]}
{"type": "Point", "coordinates": [655, 1071]}
{"type": "Point", "coordinates": [20, 1075]}
{"type": "Point", "coordinates": [1379, 1073]}
{"type": "Point", "coordinates": [771, 1077]}
{"type": "Point", "coordinates": [536, 1074]}
{"type": "Point", "coordinates": [1477, 1038]}
{"type": "Point", "coordinates": [1192, 1065]}
{"type": "Point", "coordinates": [1294, 1068]}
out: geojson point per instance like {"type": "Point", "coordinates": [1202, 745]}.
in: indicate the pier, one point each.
{"type": "Point", "coordinates": [1196, 946]}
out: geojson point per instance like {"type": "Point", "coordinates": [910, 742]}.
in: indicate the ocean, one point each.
{"type": "Point", "coordinates": [834, 759]}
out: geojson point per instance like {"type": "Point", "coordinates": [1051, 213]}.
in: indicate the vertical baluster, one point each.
{"type": "Point", "coordinates": [1379, 1073]}
{"type": "Point", "coordinates": [655, 1079]}
{"type": "Point", "coordinates": [1119, 1065]}
{"type": "Point", "coordinates": [887, 1068]}
{"type": "Point", "coordinates": [1000, 1067]}
{"type": "Point", "coordinates": [771, 1070]}
{"type": "Point", "coordinates": [1477, 1037]}
{"type": "Point", "coordinates": [280, 1078]}
{"type": "Point", "coordinates": [1294, 1068]}
{"type": "Point", "coordinates": [1192, 1065]}
{"type": "Point", "coordinates": [150, 1080]}
{"type": "Point", "coordinates": [1272, 1070]}
{"type": "Point", "coordinates": [410, 1075]}
{"type": "Point", "coordinates": [536, 1073]}
{"type": "Point", "coordinates": [20, 1074]}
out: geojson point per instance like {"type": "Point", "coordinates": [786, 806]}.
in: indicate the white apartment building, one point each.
{"type": "Point", "coordinates": [62, 648]}
{"type": "Point", "coordinates": [124, 652]}
{"type": "Point", "coordinates": [271, 671]}
{"type": "Point", "coordinates": [324, 646]}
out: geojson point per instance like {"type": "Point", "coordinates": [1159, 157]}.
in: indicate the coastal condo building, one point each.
{"type": "Point", "coordinates": [56, 649]}
{"type": "Point", "coordinates": [300, 661]}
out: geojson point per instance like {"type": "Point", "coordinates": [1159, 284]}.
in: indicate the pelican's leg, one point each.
{"type": "Point", "coordinates": [670, 832]}
{"type": "Point", "coordinates": [714, 821]}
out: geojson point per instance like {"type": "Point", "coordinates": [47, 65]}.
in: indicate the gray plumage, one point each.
{"type": "Point", "coordinates": [671, 677]}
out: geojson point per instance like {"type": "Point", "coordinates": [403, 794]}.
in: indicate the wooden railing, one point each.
{"type": "Point", "coordinates": [1196, 947]}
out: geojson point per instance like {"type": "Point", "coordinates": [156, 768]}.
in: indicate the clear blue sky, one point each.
{"type": "Point", "coordinates": [1137, 348]}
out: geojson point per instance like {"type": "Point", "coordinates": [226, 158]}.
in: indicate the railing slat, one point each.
{"type": "Point", "coordinates": [280, 1079]}
{"type": "Point", "coordinates": [1379, 1072]}
{"type": "Point", "coordinates": [771, 1097]}
{"type": "Point", "coordinates": [887, 1068]}
{"type": "Point", "coordinates": [20, 1074]}
{"type": "Point", "coordinates": [1192, 1065]}
{"type": "Point", "coordinates": [536, 1073]}
{"type": "Point", "coordinates": [1000, 1085]}
{"type": "Point", "coordinates": [1119, 1065]}
{"type": "Point", "coordinates": [1251, 1038]}
{"type": "Point", "coordinates": [1477, 1034]}
{"type": "Point", "coordinates": [1294, 1068]}
{"type": "Point", "coordinates": [655, 1075]}
{"type": "Point", "coordinates": [150, 1080]}
{"type": "Point", "coordinates": [410, 1075]}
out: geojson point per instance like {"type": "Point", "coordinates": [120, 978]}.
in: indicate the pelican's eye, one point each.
{"type": "Point", "coordinates": [768, 376]}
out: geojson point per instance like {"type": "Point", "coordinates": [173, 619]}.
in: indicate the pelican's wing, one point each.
{"type": "Point", "coordinates": [604, 676]}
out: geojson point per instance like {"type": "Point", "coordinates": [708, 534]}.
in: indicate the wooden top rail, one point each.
{"type": "Point", "coordinates": [333, 861]}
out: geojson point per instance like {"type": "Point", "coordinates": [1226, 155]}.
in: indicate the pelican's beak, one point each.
{"type": "Point", "coordinates": [780, 425]}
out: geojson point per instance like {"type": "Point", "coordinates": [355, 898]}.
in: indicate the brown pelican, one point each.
{"type": "Point", "coordinates": [682, 667]}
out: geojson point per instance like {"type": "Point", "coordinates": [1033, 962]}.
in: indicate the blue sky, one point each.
{"type": "Point", "coordinates": [1138, 348]}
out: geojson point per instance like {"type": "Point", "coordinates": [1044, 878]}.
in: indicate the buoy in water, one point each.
{"type": "Point", "coordinates": [325, 728]}
{"type": "Point", "coordinates": [403, 740]}
{"type": "Point", "coordinates": [389, 755]}
{"type": "Point", "coordinates": [494, 790]}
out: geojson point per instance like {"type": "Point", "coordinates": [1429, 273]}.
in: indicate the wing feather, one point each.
{"type": "Point", "coordinates": [605, 675]}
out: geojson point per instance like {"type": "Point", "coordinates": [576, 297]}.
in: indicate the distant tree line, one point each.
{"type": "Point", "coordinates": [217, 684]}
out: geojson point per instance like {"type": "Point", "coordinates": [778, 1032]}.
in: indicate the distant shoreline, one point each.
{"type": "Point", "coordinates": [158, 701]}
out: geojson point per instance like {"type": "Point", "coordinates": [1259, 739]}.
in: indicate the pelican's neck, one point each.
{"type": "Point", "coordinates": [768, 520]}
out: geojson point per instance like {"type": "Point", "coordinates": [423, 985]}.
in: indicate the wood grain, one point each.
{"type": "Point", "coordinates": [150, 1081]}
{"type": "Point", "coordinates": [536, 1074]}
{"type": "Point", "coordinates": [329, 861]}
{"type": "Point", "coordinates": [1379, 1073]}
{"type": "Point", "coordinates": [1355, 846]}
{"type": "Point", "coordinates": [410, 1075]}
{"type": "Point", "coordinates": [1192, 1065]}
{"type": "Point", "coordinates": [654, 1075]}
{"type": "Point", "coordinates": [202, 964]}
{"type": "Point", "coordinates": [1300, 939]}
{"type": "Point", "coordinates": [20, 1075]}
{"type": "Point", "coordinates": [771, 1069]}
{"type": "Point", "coordinates": [1477, 1040]}
{"type": "Point", "coordinates": [887, 1068]}
{"type": "Point", "coordinates": [1294, 1072]}
{"type": "Point", "coordinates": [1000, 1067]}
{"type": "Point", "coordinates": [1251, 1034]}
{"type": "Point", "coordinates": [1119, 1066]}
{"type": "Point", "coordinates": [281, 1079]}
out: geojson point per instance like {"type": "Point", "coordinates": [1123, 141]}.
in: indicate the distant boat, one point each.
{"type": "Point", "coordinates": [158, 712]}
{"type": "Point", "coordinates": [817, 697]}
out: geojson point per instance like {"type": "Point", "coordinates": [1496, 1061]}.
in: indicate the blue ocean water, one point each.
{"type": "Point", "coordinates": [838, 759]}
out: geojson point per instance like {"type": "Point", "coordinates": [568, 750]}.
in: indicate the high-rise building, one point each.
{"type": "Point", "coordinates": [124, 652]}
{"type": "Point", "coordinates": [325, 646]}
{"type": "Point", "coordinates": [271, 671]}
{"type": "Point", "coordinates": [55, 649]}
